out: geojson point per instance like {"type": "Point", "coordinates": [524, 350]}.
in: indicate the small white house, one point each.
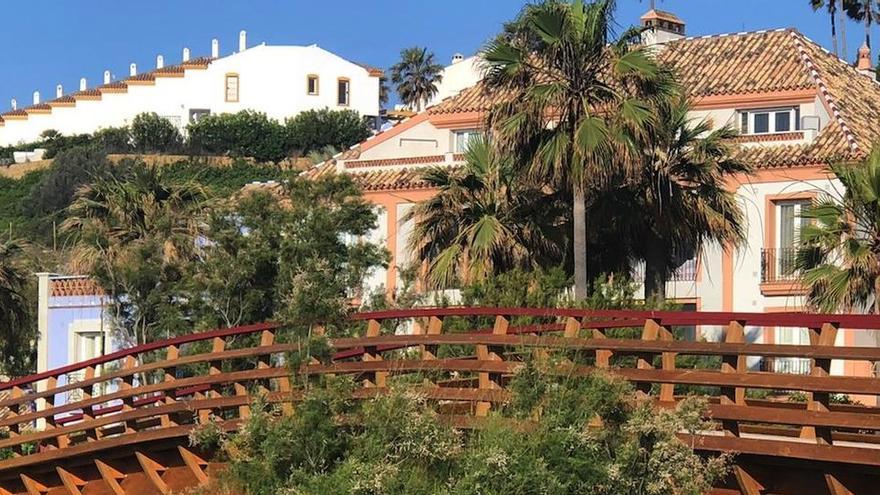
{"type": "Point", "coordinates": [280, 81]}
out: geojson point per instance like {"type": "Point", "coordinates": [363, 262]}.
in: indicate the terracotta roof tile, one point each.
{"type": "Point", "coordinates": [69, 287]}
{"type": "Point", "coordinates": [760, 62]}
{"type": "Point", "coordinates": [15, 113]}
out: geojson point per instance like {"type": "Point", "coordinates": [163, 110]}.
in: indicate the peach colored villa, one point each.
{"type": "Point", "coordinates": [798, 108]}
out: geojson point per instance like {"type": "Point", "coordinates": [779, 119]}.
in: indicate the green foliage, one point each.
{"type": "Point", "coordinates": [316, 130]}
{"type": "Point", "coordinates": [71, 169]}
{"type": "Point", "coordinates": [222, 181]}
{"type": "Point", "coordinates": [243, 134]}
{"type": "Point", "coordinates": [15, 218]}
{"type": "Point", "coordinates": [151, 133]}
{"type": "Point", "coordinates": [134, 232]}
{"type": "Point", "coordinates": [542, 442]}
{"type": "Point", "coordinates": [114, 140]}
{"type": "Point", "coordinates": [839, 255]}
{"type": "Point", "coordinates": [17, 322]}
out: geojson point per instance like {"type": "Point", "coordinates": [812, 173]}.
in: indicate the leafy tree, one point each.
{"type": "Point", "coordinates": [288, 254]}
{"type": "Point", "coordinates": [151, 133]}
{"type": "Point", "coordinates": [244, 134]}
{"type": "Point", "coordinates": [17, 325]}
{"type": "Point", "coordinates": [839, 256]}
{"type": "Point", "coordinates": [416, 77]}
{"type": "Point", "coordinates": [134, 231]}
{"type": "Point", "coordinates": [485, 219]}
{"type": "Point", "coordinates": [315, 130]}
{"type": "Point", "coordinates": [576, 101]}
{"type": "Point", "coordinates": [680, 201]}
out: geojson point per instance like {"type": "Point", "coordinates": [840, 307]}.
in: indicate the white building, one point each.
{"type": "Point", "coordinates": [461, 74]}
{"type": "Point", "coordinates": [280, 81]}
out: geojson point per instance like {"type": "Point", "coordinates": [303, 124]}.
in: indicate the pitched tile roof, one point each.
{"type": "Point", "coordinates": [754, 63]}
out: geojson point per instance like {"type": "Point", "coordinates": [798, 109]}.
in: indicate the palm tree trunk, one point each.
{"type": "Point", "coordinates": [842, 19]}
{"type": "Point", "coordinates": [655, 281]}
{"type": "Point", "coordinates": [579, 218]}
{"type": "Point", "coordinates": [834, 32]}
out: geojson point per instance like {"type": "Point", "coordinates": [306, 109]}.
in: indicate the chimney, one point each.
{"type": "Point", "coordinates": [36, 97]}
{"type": "Point", "coordinates": [59, 91]}
{"type": "Point", "coordinates": [106, 77]}
{"type": "Point", "coordinates": [186, 54]}
{"type": "Point", "coordinates": [82, 84]}
{"type": "Point", "coordinates": [132, 69]}
{"type": "Point", "coordinates": [215, 48]}
{"type": "Point", "coordinates": [864, 64]}
{"type": "Point", "coordinates": [160, 61]}
{"type": "Point", "coordinates": [14, 104]}
{"type": "Point", "coordinates": [457, 58]}
{"type": "Point", "coordinates": [661, 27]}
{"type": "Point", "coordinates": [242, 41]}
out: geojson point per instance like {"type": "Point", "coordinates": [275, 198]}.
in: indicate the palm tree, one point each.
{"type": "Point", "coordinates": [831, 7]}
{"type": "Point", "coordinates": [485, 219]}
{"type": "Point", "coordinates": [416, 77]}
{"type": "Point", "coordinates": [573, 99]}
{"type": "Point", "coordinates": [681, 201]}
{"type": "Point", "coordinates": [131, 229]}
{"type": "Point", "coordinates": [16, 332]}
{"type": "Point", "coordinates": [867, 11]}
{"type": "Point", "coordinates": [839, 257]}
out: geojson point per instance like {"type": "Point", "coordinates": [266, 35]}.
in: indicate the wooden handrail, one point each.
{"type": "Point", "coordinates": [475, 382]}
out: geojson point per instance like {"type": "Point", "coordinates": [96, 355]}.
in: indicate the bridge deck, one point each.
{"type": "Point", "coordinates": [122, 426]}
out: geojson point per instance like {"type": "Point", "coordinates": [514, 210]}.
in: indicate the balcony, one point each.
{"type": "Point", "coordinates": [779, 274]}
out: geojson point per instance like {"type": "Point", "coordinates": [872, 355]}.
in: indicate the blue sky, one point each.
{"type": "Point", "coordinates": [47, 42]}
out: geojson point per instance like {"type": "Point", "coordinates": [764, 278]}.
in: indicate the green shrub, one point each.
{"type": "Point", "coordinates": [243, 134]}
{"type": "Point", "coordinates": [315, 130]}
{"type": "Point", "coordinates": [151, 133]}
{"type": "Point", "coordinates": [14, 195]}
{"type": "Point", "coordinates": [114, 139]}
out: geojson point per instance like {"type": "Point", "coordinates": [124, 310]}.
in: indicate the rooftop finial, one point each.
{"type": "Point", "coordinates": [215, 48]}
{"type": "Point", "coordinates": [106, 77]}
{"type": "Point", "coordinates": [132, 69]}
{"type": "Point", "coordinates": [36, 97]}
{"type": "Point", "coordinates": [14, 104]}
{"type": "Point", "coordinates": [160, 61]}
{"type": "Point", "coordinates": [242, 41]}
{"type": "Point", "coordinates": [186, 54]}
{"type": "Point", "coordinates": [82, 84]}
{"type": "Point", "coordinates": [59, 91]}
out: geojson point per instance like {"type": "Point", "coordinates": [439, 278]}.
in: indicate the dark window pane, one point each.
{"type": "Point", "coordinates": [343, 93]}
{"type": "Point", "coordinates": [762, 123]}
{"type": "Point", "coordinates": [783, 121]}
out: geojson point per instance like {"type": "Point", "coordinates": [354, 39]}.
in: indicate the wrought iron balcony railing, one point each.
{"type": "Point", "coordinates": [779, 265]}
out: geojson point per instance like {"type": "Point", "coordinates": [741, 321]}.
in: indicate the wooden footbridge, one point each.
{"type": "Point", "coordinates": [123, 427]}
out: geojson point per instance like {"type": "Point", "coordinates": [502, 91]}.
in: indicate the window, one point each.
{"type": "Point", "coordinates": [232, 87]}
{"type": "Point", "coordinates": [312, 85]}
{"type": "Point", "coordinates": [343, 90]}
{"type": "Point", "coordinates": [463, 139]}
{"type": "Point", "coordinates": [769, 121]}
{"type": "Point", "coordinates": [788, 231]}
{"type": "Point", "coordinates": [87, 345]}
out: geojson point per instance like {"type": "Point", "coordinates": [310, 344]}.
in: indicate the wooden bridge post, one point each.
{"type": "Point", "coordinates": [87, 392]}
{"type": "Point", "coordinates": [128, 364]}
{"type": "Point", "coordinates": [653, 330]}
{"type": "Point", "coordinates": [490, 381]}
{"type": "Point", "coordinates": [735, 334]}
{"type": "Point", "coordinates": [819, 401]}
{"type": "Point", "coordinates": [435, 327]}
{"type": "Point", "coordinates": [371, 353]}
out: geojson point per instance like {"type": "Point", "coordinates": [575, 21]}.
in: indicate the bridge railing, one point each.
{"type": "Point", "coordinates": [469, 354]}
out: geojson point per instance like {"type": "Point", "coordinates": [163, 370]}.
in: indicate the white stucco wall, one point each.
{"type": "Point", "coordinates": [458, 76]}
{"type": "Point", "coordinates": [272, 79]}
